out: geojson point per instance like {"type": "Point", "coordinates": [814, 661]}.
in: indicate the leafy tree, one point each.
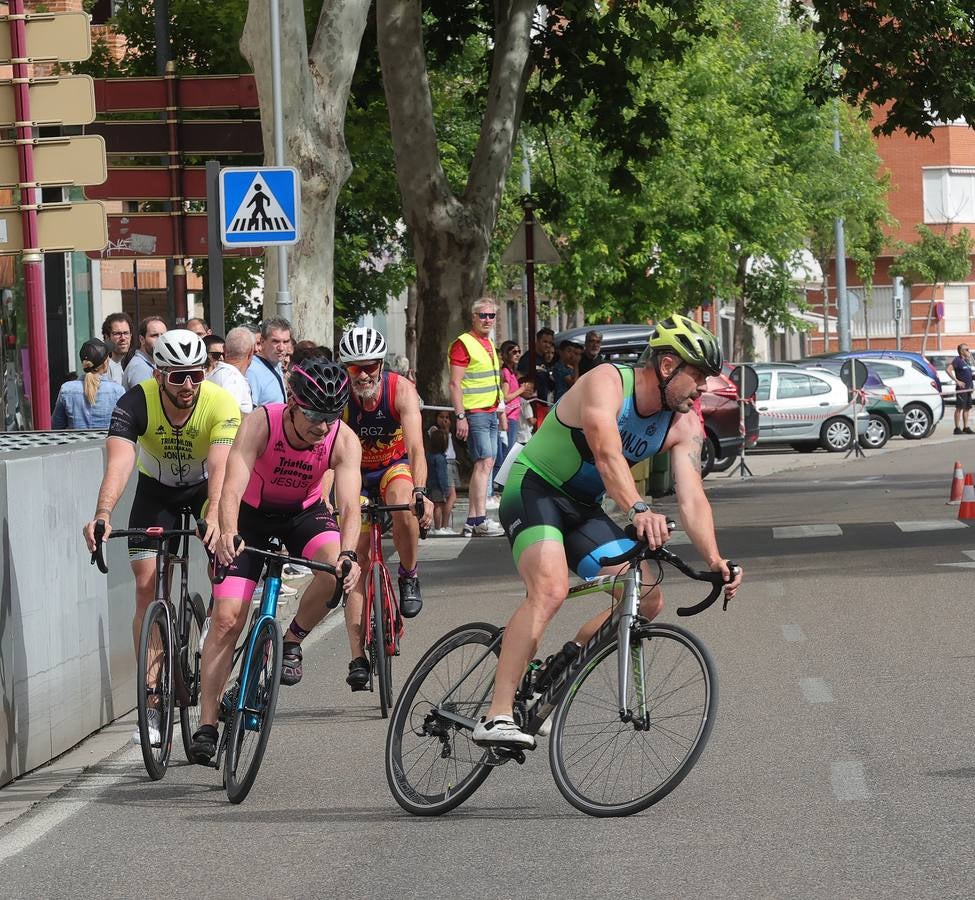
{"type": "Point", "coordinates": [912, 59]}
{"type": "Point", "coordinates": [935, 259]}
{"type": "Point", "coordinates": [586, 54]}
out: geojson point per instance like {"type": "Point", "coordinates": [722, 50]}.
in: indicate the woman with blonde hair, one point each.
{"type": "Point", "coordinates": [87, 403]}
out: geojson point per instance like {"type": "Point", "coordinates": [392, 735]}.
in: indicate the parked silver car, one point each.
{"type": "Point", "coordinates": [803, 408]}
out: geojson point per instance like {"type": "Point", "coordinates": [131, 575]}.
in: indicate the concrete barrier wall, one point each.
{"type": "Point", "coordinates": [67, 663]}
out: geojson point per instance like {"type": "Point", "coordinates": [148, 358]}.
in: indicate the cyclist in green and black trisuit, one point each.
{"type": "Point", "coordinates": [612, 417]}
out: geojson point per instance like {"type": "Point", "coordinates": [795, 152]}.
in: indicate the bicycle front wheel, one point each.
{"type": "Point", "coordinates": [154, 681]}
{"type": "Point", "coordinates": [432, 765]}
{"type": "Point", "coordinates": [382, 635]}
{"type": "Point", "coordinates": [607, 767]}
{"type": "Point", "coordinates": [188, 650]}
{"type": "Point", "coordinates": [250, 726]}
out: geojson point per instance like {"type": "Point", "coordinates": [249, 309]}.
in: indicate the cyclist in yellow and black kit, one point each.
{"type": "Point", "coordinates": [181, 427]}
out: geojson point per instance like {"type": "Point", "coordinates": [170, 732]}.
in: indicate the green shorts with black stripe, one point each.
{"type": "Point", "coordinates": [533, 510]}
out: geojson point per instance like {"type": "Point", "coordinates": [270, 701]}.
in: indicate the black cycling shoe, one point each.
{"type": "Point", "coordinates": [358, 677]}
{"type": "Point", "coordinates": [291, 663]}
{"type": "Point", "coordinates": [410, 601]}
{"type": "Point", "coordinates": [203, 747]}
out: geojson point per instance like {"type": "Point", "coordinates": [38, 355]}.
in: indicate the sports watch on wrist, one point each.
{"type": "Point", "coordinates": [460, 415]}
{"type": "Point", "coordinates": [636, 509]}
{"type": "Point", "coordinates": [351, 554]}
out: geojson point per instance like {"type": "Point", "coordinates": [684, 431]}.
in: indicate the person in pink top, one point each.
{"type": "Point", "coordinates": [283, 462]}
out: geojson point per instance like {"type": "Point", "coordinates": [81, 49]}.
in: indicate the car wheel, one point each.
{"type": "Point", "coordinates": [917, 421]}
{"type": "Point", "coordinates": [837, 434]}
{"type": "Point", "coordinates": [707, 456]}
{"type": "Point", "coordinates": [875, 434]}
{"type": "Point", "coordinates": [723, 463]}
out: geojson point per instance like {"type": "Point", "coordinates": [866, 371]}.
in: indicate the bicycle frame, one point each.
{"type": "Point", "coordinates": [378, 562]}
{"type": "Point", "coordinates": [622, 620]}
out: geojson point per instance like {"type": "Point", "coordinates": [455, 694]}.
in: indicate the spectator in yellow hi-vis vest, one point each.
{"type": "Point", "coordinates": [475, 392]}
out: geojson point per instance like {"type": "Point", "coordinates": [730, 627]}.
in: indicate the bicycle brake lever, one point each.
{"type": "Point", "coordinates": [340, 574]}
{"type": "Point", "coordinates": [97, 555]}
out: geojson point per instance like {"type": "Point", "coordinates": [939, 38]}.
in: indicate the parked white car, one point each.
{"type": "Point", "coordinates": [807, 409]}
{"type": "Point", "coordinates": [917, 394]}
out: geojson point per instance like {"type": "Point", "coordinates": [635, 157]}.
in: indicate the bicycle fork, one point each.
{"type": "Point", "coordinates": [629, 656]}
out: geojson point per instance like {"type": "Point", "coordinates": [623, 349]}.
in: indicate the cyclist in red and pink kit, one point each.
{"type": "Point", "coordinates": [283, 462]}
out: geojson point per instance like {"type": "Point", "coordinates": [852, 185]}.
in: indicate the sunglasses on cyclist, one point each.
{"type": "Point", "coordinates": [484, 315]}
{"type": "Point", "coordinates": [216, 354]}
{"type": "Point", "coordinates": [371, 368]}
{"type": "Point", "coordinates": [177, 377]}
{"type": "Point", "coordinates": [319, 418]}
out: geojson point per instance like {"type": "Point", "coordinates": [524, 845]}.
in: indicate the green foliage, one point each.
{"type": "Point", "coordinates": [773, 298]}
{"type": "Point", "coordinates": [913, 59]}
{"type": "Point", "coordinates": [935, 258]}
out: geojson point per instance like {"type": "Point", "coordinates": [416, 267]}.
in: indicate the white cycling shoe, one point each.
{"type": "Point", "coordinates": [154, 721]}
{"type": "Point", "coordinates": [501, 731]}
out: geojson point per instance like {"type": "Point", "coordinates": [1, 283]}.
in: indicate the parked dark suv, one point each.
{"type": "Point", "coordinates": [719, 405]}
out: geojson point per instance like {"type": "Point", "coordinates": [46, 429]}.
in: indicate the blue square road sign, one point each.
{"type": "Point", "coordinates": [259, 206]}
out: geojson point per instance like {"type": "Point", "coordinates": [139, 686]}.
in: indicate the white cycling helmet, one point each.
{"type": "Point", "coordinates": [361, 343]}
{"type": "Point", "coordinates": [179, 349]}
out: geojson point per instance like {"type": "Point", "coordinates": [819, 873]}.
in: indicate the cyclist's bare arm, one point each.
{"type": "Point", "coordinates": [595, 404]}
{"type": "Point", "coordinates": [408, 408]}
{"type": "Point", "coordinates": [118, 468]}
{"type": "Point", "coordinates": [695, 509]}
{"type": "Point", "coordinates": [250, 441]}
{"type": "Point", "coordinates": [347, 462]}
{"type": "Point", "coordinates": [216, 470]}
{"type": "Point", "coordinates": [328, 479]}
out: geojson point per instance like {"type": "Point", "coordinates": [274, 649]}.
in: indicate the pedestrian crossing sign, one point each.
{"type": "Point", "coordinates": [259, 207]}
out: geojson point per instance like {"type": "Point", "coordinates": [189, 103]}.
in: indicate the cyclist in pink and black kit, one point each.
{"type": "Point", "coordinates": [281, 466]}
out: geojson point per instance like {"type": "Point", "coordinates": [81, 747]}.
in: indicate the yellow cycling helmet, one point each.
{"type": "Point", "coordinates": [692, 342]}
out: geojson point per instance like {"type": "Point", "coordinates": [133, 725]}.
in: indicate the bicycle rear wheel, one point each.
{"type": "Point", "coordinates": [250, 727]}
{"type": "Point", "coordinates": [382, 634]}
{"type": "Point", "coordinates": [188, 651]}
{"type": "Point", "coordinates": [607, 767]}
{"type": "Point", "coordinates": [432, 765]}
{"type": "Point", "coordinates": [154, 683]}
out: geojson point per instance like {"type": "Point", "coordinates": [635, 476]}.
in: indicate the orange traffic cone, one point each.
{"type": "Point", "coordinates": [957, 485]}
{"type": "Point", "coordinates": [966, 510]}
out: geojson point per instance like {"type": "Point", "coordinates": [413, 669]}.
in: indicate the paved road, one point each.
{"type": "Point", "coordinates": [842, 762]}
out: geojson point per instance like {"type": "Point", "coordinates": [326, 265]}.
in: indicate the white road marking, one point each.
{"type": "Point", "coordinates": [52, 813]}
{"type": "Point", "coordinates": [793, 633]}
{"type": "Point", "coordinates": [806, 531]}
{"type": "Point", "coordinates": [849, 781]}
{"type": "Point", "coordinates": [969, 565]}
{"type": "Point", "coordinates": [816, 690]}
{"type": "Point", "coordinates": [930, 525]}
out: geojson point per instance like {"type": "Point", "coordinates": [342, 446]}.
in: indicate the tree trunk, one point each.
{"type": "Point", "coordinates": [450, 234]}
{"type": "Point", "coordinates": [411, 325]}
{"type": "Point", "coordinates": [738, 348]}
{"type": "Point", "coordinates": [927, 321]}
{"type": "Point", "coordinates": [314, 92]}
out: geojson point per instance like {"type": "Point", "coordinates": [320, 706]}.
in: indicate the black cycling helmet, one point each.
{"type": "Point", "coordinates": [320, 385]}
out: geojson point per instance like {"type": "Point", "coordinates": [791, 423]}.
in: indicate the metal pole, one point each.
{"type": "Point", "coordinates": [135, 288]}
{"type": "Point", "coordinates": [842, 301]}
{"type": "Point", "coordinates": [40, 386]}
{"type": "Point", "coordinates": [176, 196]}
{"type": "Point", "coordinates": [214, 250]}
{"type": "Point", "coordinates": [528, 292]}
{"type": "Point", "coordinates": [284, 296]}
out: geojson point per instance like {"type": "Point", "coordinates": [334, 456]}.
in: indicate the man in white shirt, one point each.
{"type": "Point", "coordinates": [229, 373]}
{"type": "Point", "coordinates": [141, 366]}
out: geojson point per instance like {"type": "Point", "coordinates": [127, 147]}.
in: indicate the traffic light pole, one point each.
{"type": "Point", "coordinates": [33, 259]}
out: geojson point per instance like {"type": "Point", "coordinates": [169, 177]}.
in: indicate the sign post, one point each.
{"type": "Point", "coordinates": [28, 163]}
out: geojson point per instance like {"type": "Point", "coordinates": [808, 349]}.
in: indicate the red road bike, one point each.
{"type": "Point", "coordinates": [382, 621]}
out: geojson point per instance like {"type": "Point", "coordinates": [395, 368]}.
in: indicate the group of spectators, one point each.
{"type": "Point", "coordinates": [251, 363]}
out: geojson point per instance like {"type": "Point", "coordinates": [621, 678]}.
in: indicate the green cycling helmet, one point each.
{"type": "Point", "coordinates": [692, 342]}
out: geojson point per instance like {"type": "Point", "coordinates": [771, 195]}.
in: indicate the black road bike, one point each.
{"type": "Point", "coordinates": [168, 672]}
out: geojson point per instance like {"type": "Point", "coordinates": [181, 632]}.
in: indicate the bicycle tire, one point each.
{"type": "Point", "coordinates": [413, 752]}
{"type": "Point", "coordinates": [192, 617]}
{"type": "Point", "coordinates": [681, 692]}
{"type": "Point", "coordinates": [155, 655]}
{"type": "Point", "coordinates": [264, 679]}
{"type": "Point", "coordinates": [382, 661]}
